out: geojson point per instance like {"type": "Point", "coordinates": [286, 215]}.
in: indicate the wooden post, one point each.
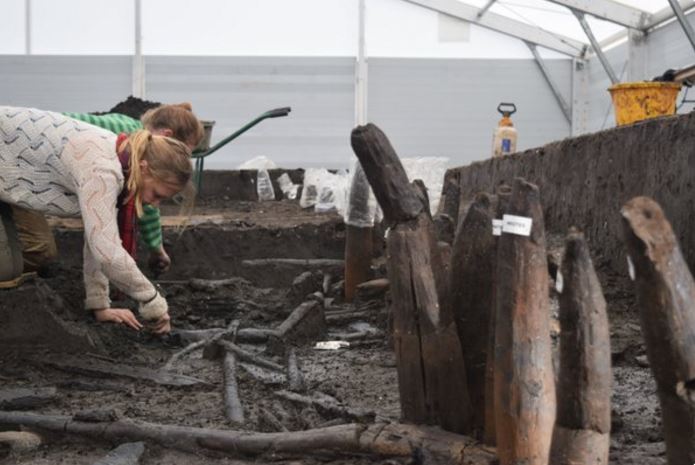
{"type": "Point", "coordinates": [471, 280]}
{"type": "Point", "coordinates": [358, 234]}
{"type": "Point", "coordinates": [504, 193]}
{"type": "Point", "coordinates": [666, 298]}
{"type": "Point", "coordinates": [431, 371]}
{"type": "Point", "coordinates": [582, 428]}
{"type": "Point", "coordinates": [524, 381]}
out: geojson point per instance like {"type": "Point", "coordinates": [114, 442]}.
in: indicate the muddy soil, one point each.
{"type": "Point", "coordinates": [362, 376]}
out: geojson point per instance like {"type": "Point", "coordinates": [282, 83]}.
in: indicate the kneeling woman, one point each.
{"type": "Point", "coordinates": [60, 166]}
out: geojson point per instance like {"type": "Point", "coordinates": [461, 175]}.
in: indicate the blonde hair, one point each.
{"type": "Point", "coordinates": [168, 161]}
{"type": "Point", "coordinates": [179, 118]}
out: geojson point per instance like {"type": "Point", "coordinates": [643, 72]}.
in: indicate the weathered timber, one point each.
{"type": "Point", "coordinates": [421, 192]}
{"type": "Point", "coordinates": [328, 406]}
{"type": "Point", "coordinates": [232, 329]}
{"type": "Point", "coordinates": [100, 369]}
{"type": "Point", "coordinates": [372, 290]}
{"type": "Point", "coordinates": [248, 356]}
{"type": "Point", "coordinates": [359, 232]}
{"type": "Point", "coordinates": [211, 285]}
{"type": "Point", "coordinates": [524, 381]}
{"type": "Point", "coordinates": [471, 279]}
{"type": "Point", "coordinates": [385, 174]}
{"type": "Point", "coordinates": [431, 372]}
{"type": "Point", "coordinates": [26, 398]}
{"type": "Point", "coordinates": [379, 440]}
{"type": "Point", "coordinates": [295, 378]}
{"type": "Point", "coordinates": [449, 202]}
{"type": "Point", "coordinates": [358, 258]}
{"type": "Point", "coordinates": [268, 418]}
{"type": "Point", "coordinates": [666, 299]}
{"type": "Point", "coordinates": [310, 263]}
{"type": "Point", "coordinates": [503, 194]}
{"type": "Point", "coordinates": [125, 454]}
{"type": "Point", "coordinates": [582, 428]}
{"type": "Point", "coordinates": [306, 323]}
{"type": "Point", "coordinates": [243, 335]}
{"type": "Point", "coordinates": [233, 409]}
{"type": "Point", "coordinates": [264, 375]}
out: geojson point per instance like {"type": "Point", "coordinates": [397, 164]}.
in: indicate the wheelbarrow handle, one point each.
{"type": "Point", "coordinates": [278, 112]}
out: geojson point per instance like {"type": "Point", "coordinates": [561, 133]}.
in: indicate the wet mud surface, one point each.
{"type": "Point", "coordinates": [361, 377]}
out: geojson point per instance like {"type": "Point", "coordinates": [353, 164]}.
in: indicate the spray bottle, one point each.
{"type": "Point", "coordinates": [504, 139]}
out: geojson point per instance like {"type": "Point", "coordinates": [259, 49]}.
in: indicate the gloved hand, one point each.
{"type": "Point", "coordinates": [159, 261]}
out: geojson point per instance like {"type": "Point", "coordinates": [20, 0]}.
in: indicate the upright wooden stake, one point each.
{"type": "Point", "coordinates": [524, 381]}
{"type": "Point", "coordinates": [358, 235]}
{"type": "Point", "coordinates": [431, 371]}
{"type": "Point", "coordinates": [582, 428]}
{"type": "Point", "coordinates": [666, 297]}
{"type": "Point", "coordinates": [471, 280]}
{"type": "Point", "coordinates": [504, 193]}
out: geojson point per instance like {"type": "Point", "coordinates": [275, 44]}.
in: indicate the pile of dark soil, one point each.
{"type": "Point", "coordinates": [132, 106]}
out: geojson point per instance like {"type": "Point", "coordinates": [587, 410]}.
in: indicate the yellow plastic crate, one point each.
{"type": "Point", "coordinates": [636, 101]}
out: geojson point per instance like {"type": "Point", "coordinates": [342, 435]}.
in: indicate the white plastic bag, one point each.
{"type": "Point", "coordinates": [288, 188]}
{"type": "Point", "coordinates": [264, 186]}
{"type": "Point", "coordinates": [431, 170]}
{"type": "Point", "coordinates": [258, 163]}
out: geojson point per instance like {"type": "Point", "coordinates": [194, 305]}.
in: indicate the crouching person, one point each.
{"type": "Point", "coordinates": [54, 164]}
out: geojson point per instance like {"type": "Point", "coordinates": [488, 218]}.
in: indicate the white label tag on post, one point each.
{"type": "Point", "coordinates": [496, 227]}
{"type": "Point", "coordinates": [519, 225]}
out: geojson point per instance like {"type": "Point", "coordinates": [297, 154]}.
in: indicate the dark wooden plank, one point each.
{"type": "Point", "coordinates": [666, 299]}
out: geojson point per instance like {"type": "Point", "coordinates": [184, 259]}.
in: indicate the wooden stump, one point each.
{"type": "Point", "coordinates": [666, 297]}
{"type": "Point", "coordinates": [582, 428]}
{"type": "Point", "coordinates": [431, 371]}
{"type": "Point", "coordinates": [524, 381]}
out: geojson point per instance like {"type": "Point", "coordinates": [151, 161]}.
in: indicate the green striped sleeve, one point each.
{"type": "Point", "coordinates": [113, 122]}
{"type": "Point", "coordinates": [150, 227]}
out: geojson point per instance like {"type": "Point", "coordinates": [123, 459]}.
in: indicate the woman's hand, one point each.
{"type": "Point", "coordinates": [118, 315]}
{"type": "Point", "coordinates": [159, 261]}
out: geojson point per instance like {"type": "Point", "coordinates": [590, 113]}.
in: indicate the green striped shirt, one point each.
{"type": "Point", "coordinates": [150, 223]}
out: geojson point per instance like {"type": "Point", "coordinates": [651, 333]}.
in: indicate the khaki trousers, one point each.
{"type": "Point", "coordinates": [38, 245]}
{"type": "Point", "coordinates": [10, 248]}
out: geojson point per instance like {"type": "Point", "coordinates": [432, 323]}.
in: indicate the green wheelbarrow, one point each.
{"type": "Point", "coordinates": [200, 154]}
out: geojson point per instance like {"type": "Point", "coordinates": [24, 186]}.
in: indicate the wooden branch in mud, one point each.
{"type": "Point", "coordinates": [471, 277]}
{"type": "Point", "coordinates": [431, 371]}
{"type": "Point", "coordinates": [243, 335]}
{"type": "Point", "coordinates": [385, 174]}
{"type": "Point", "coordinates": [582, 428]}
{"type": "Point", "coordinates": [295, 378]}
{"type": "Point", "coordinates": [232, 329]}
{"type": "Point", "coordinates": [666, 299]}
{"type": "Point", "coordinates": [379, 440]}
{"type": "Point", "coordinates": [234, 411]}
{"type": "Point", "coordinates": [104, 369]}
{"type": "Point", "coordinates": [328, 406]}
{"type": "Point", "coordinates": [250, 357]}
{"type": "Point", "coordinates": [269, 418]}
{"type": "Point", "coordinates": [524, 381]}
{"type": "Point", "coordinates": [26, 398]}
{"type": "Point", "coordinates": [125, 454]}
{"type": "Point", "coordinates": [309, 263]}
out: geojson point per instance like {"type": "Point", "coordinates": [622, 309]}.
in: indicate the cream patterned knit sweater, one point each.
{"type": "Point", "coordinates": [60, 166]}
